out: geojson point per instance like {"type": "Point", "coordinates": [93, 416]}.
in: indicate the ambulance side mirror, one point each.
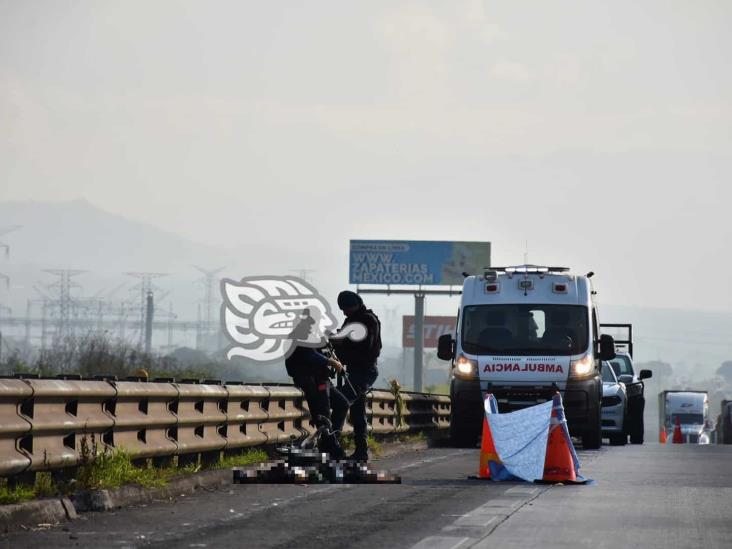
{"type": "Point", "coordinates": [645, 374]}
{"type": "Point", "coordinates": [607, 347]}
{"type": "Point", "coordinates": [445, 347]}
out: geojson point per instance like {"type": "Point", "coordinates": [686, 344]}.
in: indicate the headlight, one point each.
{"type": "Point", "coordinates": [582, 367]}
{"type": "Point", "coordinates": [465, 368]}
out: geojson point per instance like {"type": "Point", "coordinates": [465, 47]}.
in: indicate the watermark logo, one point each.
{"type": "Point", "coordinates": [265, 318]}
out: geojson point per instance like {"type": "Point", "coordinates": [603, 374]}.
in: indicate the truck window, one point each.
{"type": "Point", "coordinates": [525, 329]}
{"type": "Point", "coordinates": [621, 365]}
{"type": "Point", "coordinates": [607, 373]}
{"type": "Point", "coordinates": [688, 419]}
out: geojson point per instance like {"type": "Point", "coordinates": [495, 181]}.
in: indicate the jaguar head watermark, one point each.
{"type": "Point", "coordinates": [266, 317]}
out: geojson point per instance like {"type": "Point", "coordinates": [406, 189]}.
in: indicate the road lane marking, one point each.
{"type": "Point", "coordinates": [478, 524]}
{"type": "Point", "coordinates": [441, 542]}
{"type": "Point", "coordinates": [428, 460]}
{"type": "Point", "coordinates": [521, 491]}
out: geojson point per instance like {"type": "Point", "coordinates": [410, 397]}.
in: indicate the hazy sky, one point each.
{"type": "Point", "coordinates": [597, 131]}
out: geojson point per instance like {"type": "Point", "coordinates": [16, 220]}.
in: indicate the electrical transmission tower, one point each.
{"type": "Point", "coordinates": [303, 273]}
{"type": "Point", "coordinates": [145, 287]}
{"type": "Point", "coordinates": [4, 231]}
{"type": "Point", "coordinates": [208, 306]}
{"type": "Point", "coordinates": [64, 301]}
{"type": "Point", "coordinates": [6, 248]}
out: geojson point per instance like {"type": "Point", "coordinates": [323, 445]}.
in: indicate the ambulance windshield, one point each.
{"type": "Point", "coordinates": [513, 329]}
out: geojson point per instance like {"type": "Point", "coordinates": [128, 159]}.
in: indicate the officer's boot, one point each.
{"type": "Point", "coordinates": [362, 450]}
{"type": "Point", "coordinates": [329, 444]}
{"type": "Point", "coordinates": [328, 440]}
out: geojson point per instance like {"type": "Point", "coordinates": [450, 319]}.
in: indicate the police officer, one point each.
{"type": "Point", "coordinates": [310, 372]}
{"type": "Point", "coordinates": [360, 360]}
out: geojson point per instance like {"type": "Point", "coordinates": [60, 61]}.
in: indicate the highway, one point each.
{"type": "Point", "coordinates": [645, 496]}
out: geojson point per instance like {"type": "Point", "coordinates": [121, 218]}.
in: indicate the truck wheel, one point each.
{"type": "Point", "coordinates": [636, 428]}
{"type": "Point", "coordinates": [592, 440]}
{"type": "Point", "coordinates": [618, 439]}
{"type": "Point", "coordinates": [463, 434]}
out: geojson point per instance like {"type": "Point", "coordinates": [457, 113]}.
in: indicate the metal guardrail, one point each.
{"type": "Point", "coordinates": [44, 422]}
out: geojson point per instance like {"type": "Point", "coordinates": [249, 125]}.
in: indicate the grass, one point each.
{"type": "Point", "coordinates": [112, 469]}
{"type": "Point", "coordinates": [250, 457]}
{"type": "Point", "coordinates": [374, 445]}
{"type": "Point", "coordinates": [17, 494]}
{"type": "Point", "coordinates": [115, 468]}
{"type": "Point", "coordinates": [411, 437]}
{"type": "Point", "coordinates": [43, 487]}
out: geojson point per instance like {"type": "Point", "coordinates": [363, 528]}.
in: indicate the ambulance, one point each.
{"type": "Point", "coordinates": [524, 333]}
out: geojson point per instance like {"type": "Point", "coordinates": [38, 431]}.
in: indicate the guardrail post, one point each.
{"type": "Point", "coordinates": [145, 420]}
{"type": "Point", "coordinates": [16, 447]}
{"type": "Point", "coordinates": [201, 413]}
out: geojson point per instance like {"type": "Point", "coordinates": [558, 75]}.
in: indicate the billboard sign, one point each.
{"type": "Point", "coordinates": [434, 327]}
{"type": "Point", "coordinates": [416, 262]}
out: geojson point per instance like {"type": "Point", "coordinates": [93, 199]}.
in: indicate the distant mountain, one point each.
{"type": "Point", "coordinates": [78, 235]}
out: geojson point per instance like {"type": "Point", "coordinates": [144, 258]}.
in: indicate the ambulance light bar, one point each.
{"type": "Point", "coordinates": [528, 269]}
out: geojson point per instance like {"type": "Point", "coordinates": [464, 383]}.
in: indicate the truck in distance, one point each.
{"type": "Point", "coordinates": [690, 409]}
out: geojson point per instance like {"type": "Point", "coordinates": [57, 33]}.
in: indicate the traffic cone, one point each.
{"type": "Point", "coordinates": [559, 465]}
{"type": "Point", "coordinates": [487, 448]}
{"type": "Point", "coordinates": [662, 436]}
{"type": "Point", "coordinates": [678, 437]}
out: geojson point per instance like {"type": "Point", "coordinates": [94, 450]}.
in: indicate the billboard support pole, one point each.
{"type": "Point", "coordinates": [418, 339]}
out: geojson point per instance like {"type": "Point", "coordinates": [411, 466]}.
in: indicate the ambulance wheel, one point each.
{"type": "Point", "coordinates": [592, 439]}
{"type": "Point", "coordinates": [462, 435]}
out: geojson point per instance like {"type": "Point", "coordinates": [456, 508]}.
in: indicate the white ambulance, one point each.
{"type": "Point", "coordinates": [523, 333]}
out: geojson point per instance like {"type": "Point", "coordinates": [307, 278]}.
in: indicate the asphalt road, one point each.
{"type": "Point", "coordinates": [643, 496]}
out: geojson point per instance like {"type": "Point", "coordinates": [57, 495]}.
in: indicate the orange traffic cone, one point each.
{"type": "Point", "coordinates": [487, 452]}
{"type": "Point", "coordinates": [487, 448]}
{"type": "Point", "coordinates": [558, 463]}
{"type": "Point", "coordinates": [662, 436]}
{"type": "Point", "coordinates": [678, 437]}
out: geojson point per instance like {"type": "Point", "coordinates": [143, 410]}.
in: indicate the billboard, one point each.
{"type": "Point", "coordinates": [416, 262]}
{"type": "Point", "coordinates": [434, 327]}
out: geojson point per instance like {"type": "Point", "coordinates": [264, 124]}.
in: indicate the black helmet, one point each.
{"type": "Point", "coordinates": [348, 300]}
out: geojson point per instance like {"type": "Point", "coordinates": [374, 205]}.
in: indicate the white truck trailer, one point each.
{"type": "Point", "coordinates": [690, 408]}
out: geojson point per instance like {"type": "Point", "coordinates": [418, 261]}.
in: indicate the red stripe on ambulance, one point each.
{"type": "Point", "coordinates": [514, 367]}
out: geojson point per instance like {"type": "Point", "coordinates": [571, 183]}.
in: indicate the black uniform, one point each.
{"type": "Point", "coordinates": [360, 360]}
{"type": "Point", "coordinates": [309, 371]}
